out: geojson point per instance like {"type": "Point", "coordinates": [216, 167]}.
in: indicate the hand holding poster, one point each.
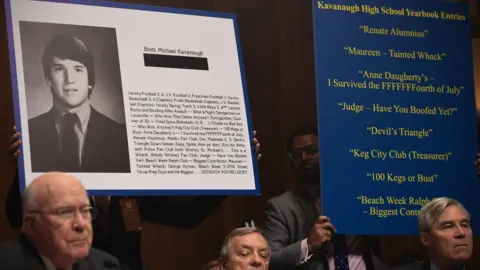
{"type": "Point", "coordinates": [130, 98]}
{"type": "Point", "coordinates": [396, 111]}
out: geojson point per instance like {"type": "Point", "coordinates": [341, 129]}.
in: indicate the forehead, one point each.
{"type": "Point", "coordinates": [64, 194]}
{"type": "Point", "coordinates": [304, 140]}
{"type": "Point", "coordinates": [252, 240]}
{"type": "Point", "coordinates": [66, 62]}
{"type": "Point", "coordinates": [452, 213]}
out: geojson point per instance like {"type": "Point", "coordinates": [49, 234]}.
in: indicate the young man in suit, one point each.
{"type": "Point", "coordinates": [445, 232]}
{"type": "Point", "coordinates": [72, 136]}
{"type": "Point", "coordinates": [299, 236]}
{"type": "Point", "coordinates": [57, 231]}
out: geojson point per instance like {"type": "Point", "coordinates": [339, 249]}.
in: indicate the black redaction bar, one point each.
{"type": "Point", "coordinates": [175, 61]}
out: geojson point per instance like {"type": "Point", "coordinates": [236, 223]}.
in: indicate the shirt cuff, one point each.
{"type": "Point", "coordinates": [304, 254]}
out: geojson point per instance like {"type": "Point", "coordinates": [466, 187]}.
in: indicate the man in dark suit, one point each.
{"type": "Point", "coordinates": [445, 232]}
{"type": "Point", "coordinates": [72, 136]}
{"type": "Point", "coordinates": [57, 231]}
{"type": "Point", "coordinates": [300, 238]}
{"type": "Point", "coordinates": [110, 232]}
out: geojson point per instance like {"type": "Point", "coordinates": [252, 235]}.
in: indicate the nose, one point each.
{"type": "Point", "coordinates": [256, 261]}
{"type": "Point", "coordinates": [68, 76]}
{"type": "Point", "coordinates": [460, 232]}
{"type": "Point", "coordinates": [79, 222]}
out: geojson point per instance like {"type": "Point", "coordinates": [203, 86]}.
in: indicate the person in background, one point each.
{"type": "Point", "coordinates": [57, 230]}
{"type": "Point", "coordinates": [110, 231]}
{"type": "Point", "coordinates": [299, 236]}
{"type": "Point", "coordinates": [445, 232]}
{"type": "Point", "coordinates": [244, 248]}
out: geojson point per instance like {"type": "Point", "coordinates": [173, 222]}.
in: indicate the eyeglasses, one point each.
{"type": "Point", "coordinates": [70, 213]}
{"type": "Point", "coordinates": [297, 153]}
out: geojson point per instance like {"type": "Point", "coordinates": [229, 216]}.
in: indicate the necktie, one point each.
{"type": "Point", "coordinates": [70, 146]}
{"type": "Point", "coordinates": [340, 253]}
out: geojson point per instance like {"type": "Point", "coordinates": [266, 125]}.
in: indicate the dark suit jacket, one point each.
{"type": "Point", "coordinates": [416, 266]}
{"type": "Point", "coordinates": [105, 147]}
{"type": "Point", "coordinates": [289, 220]}
{"type": "Point", "coordinates": [19, 254]}
{"type": "Point", "coordinates": [413, 266]}
{"type": "Point", "coordinates": [126, 246]}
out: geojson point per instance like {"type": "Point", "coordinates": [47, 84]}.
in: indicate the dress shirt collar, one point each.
{"type": "Point", "coordinates": [83, 112]}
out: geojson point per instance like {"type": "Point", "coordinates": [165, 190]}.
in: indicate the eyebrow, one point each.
{"type": "Point", "coordinates": [250, 247]}
{"type": "Point", "coordinates": [61, 65]}
{"type": "Point", "coordinates": [453, 221]}
{"type": "Point", "coordinates": [82, 205]}
{"type": "Point", "coordinates": [308, 145]}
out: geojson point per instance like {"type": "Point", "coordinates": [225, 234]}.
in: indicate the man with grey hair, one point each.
{"type": "Point", "coordinates": [57, 229]}
{"type": "Point", "coordinates": [245, 248]}
{"type": "Point", "coordinates": [445, 231]}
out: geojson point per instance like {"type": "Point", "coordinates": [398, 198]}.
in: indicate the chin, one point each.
{"type": "Point", "coordinates": [459, 258]}
{"type": "Point", "coordinates": [80, 252]}
{"type": "Point", "coordinates": [80, 248]}
{"type": "Point", "coordinates": [464, 256]}
{"type": "Point", "coordinates": [73, 104]}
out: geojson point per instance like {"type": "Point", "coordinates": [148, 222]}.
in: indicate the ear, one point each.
{"type": "Point", "coordinates": [425, 239]}
{"type": "Point", "coordinates": [222, 263]}
{"type": "Point", "coordinates": [49, 83]}
{"type": "Point", "coordinates": [90, 87]}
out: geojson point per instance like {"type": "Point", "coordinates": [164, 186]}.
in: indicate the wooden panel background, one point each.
{"type": "Point", "coordinates": [277, 41]}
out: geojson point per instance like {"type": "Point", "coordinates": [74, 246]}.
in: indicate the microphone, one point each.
{"type": "Point", "coordinates": [114, 265]}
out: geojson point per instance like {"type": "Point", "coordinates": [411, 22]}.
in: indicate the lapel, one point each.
{"type": "Point", "coordinates": [33, 260]}
{"type": "Point", "coordinates": [307, 206]}
{"type": "Point", "coordinates": [50, 134]}
{"type": "Point", "coordinates": [90, 144]}
{"type": "Point", "coordinates": [83, 264]}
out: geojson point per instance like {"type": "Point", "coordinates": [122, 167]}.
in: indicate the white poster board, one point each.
{"type": "Point", "coordinates": [158, 96]}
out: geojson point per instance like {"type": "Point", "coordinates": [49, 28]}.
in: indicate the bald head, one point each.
{"type": "Point", "coordinates": [45, 189]}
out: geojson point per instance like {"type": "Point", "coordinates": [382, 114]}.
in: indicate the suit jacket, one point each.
{"type": "Point", "coordinates": [413, 266]}
{"type": "Point", "coordinates": [105, 147]}
{"type": "Point", "coordinates": [289, 220]}
{"type": "Point", "coordinates": [19, 254]}
{"type": "Point", "coordinates": [422, 265]}
{"type": "Point", "coordinates": [126, 246]}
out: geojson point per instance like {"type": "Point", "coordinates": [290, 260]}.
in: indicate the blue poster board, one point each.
{"type": "Point", "coordinates": [396, 111]}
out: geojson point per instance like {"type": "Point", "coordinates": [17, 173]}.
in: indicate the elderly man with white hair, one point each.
{"type": "Point", "coordinates": [445, 232]}
{"type": "Point", "coordinates": [57, 229]}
